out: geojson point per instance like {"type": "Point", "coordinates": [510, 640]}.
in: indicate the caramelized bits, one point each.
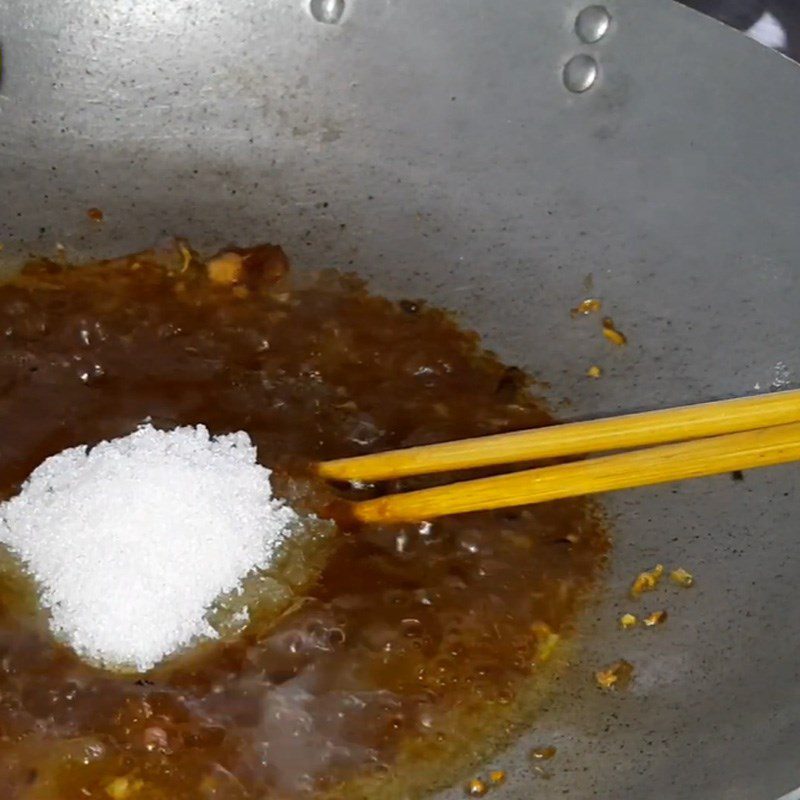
{"type": "Point", "coordinates": [476, 788]}
{"type": "Point", "coordinates": [627, 621]}
{"type": "Point", "coordinates": [610, 331]}
{"type": "Point", "coordinates": [681, 577]}
{"type": "Point", "coordinates": [588, 306]}
{"type": "Point", "coordinates": [616, 676]}
{"type": "Point", "coordinates": [647, 581]}
{"type": "Point", "coordinates": [656, 618]}
{"type": "Point", "coordinates": [497, 777]}
{"type": "Point", "coordinates": [225, 269]}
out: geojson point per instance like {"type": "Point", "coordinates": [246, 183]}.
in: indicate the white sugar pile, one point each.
{"type": "Point", "coordinates": [133, 540]}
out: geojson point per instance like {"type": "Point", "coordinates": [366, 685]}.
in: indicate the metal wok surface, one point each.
{"type": "Point", "coordinates": [434, 148]}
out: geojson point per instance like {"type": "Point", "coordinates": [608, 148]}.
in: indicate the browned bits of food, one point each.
{"type": "Point", "coordinates": [411, 649]}
{"type": "Point", "coordinates": [647, 581]}
{"type": "Point", "coordinates": [476, 788]}
{"type": "Point", "coordinates": [627, 621]}
{"type": "Point", "coordinates": [656, 618]}
{"type": "Point", "coordinates": [594, 372]}
{"type": "Point", "coordinates": [95, 214]}
{"type": "Point", "coordinates": [614, 335]}
{"type": "Point", "coordinates": [225, 269]}
{"type": "Point", "coordinates": [497, 777]}
{"type": "Point", "coordinates": [543, 753]}
{"type": "Point", "coordinates": [616, 676]}
{"type": "Point", "coordinates": [682, 578]}
{"type": "Point", "coordinates": [589, 306]}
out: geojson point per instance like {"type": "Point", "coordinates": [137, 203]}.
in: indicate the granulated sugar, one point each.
{"type": "Point", "coordinates": [131, 541]}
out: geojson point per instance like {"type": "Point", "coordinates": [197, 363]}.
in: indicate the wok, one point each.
{"type": "Point", "coordinates": [435, 148]}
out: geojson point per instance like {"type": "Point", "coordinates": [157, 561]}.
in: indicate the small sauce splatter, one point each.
{"type": "Point", "coordinates": [95, 214]}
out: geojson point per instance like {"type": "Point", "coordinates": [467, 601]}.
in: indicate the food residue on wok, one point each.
{"type": "Point", "coordinates": [682, 578]}
{"type": "Point", "coordinates": [647, 581]}
{"type": "Point", "coordinates": [628, 621]}
{"type": "Point", "coordinates": [615, 676]}
{"type": "Point", "coordinates": [655, 618]}
{"type": "Point", "coordinates": [590, 305]}
{"type": "Point", "coordinates": [389, 660]}
{"type": "Point", "coordinates": [612, 333]}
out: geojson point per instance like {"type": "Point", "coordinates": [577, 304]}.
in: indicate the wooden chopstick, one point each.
{"type": "Point", "coordinates": [615, 433]}
{"type": "Point", "coordinates": [695, 459]}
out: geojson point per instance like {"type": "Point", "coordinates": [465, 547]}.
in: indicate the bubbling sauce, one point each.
{"type": "Point", "coordinates": [376, 662]}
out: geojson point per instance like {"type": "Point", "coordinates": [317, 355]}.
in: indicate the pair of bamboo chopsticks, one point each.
{"type": "Point", "coordinates": [714, 438]}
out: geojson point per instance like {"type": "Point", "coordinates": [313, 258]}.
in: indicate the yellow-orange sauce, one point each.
{"type": "Point", "coordinates": [379, 662]}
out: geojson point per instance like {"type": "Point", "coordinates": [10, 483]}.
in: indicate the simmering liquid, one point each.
{"type": "Point", "coordinates": [378, 661]}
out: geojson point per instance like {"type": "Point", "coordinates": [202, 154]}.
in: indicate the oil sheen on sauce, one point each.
{"type": "Point", "coordinates": [380, 662]}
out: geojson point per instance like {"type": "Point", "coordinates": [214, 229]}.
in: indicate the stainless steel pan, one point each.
{"type": "Point", "coordinates": [435, 147]}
